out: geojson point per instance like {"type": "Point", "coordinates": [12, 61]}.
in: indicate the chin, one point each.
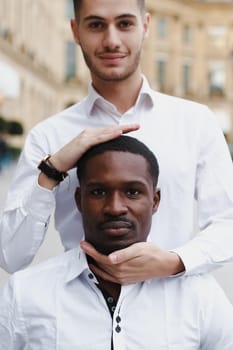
{"type": "Point", "coordinates": [108, 249]}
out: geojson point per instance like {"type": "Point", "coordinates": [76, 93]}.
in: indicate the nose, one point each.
{"type": "Point", "coordinates": [115, 205]}
{"type": "Point", "coordinates": [111, 38]}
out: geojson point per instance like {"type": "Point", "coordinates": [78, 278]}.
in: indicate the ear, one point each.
{"type": "Point", "coordinates": [146, 24]}
{"type": "Point", "coordinates": [75, 31]}
{"type": "Point", "coordinates": [156, 200]}
{"type": "Point", "coordinates": [78, 199]}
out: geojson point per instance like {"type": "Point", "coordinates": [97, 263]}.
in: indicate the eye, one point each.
{"type": "Point", "coordinates": [98, 192]}
{"type": "Point", "coordinates": [133, 192]}
{"type": "Point", "coordinates": [96, 25]}
{"type": "Point", "coordinates": [125, 24]}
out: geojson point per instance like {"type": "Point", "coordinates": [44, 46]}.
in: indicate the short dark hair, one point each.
{"type": "Point", "coordinates": [78, 4]}
{"type": "Point", "coordinates": [77, 7]}
{"type": "Point", "coordinates": [121, 144]}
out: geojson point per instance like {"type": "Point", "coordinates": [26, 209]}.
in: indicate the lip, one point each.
{"type": "Point", "coordinates": [116, 228]}
{"type": "Point", "coordinates": [112, 57]}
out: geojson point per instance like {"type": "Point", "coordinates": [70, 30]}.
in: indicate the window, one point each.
{"type": "Point", "coordinates": [217, 36]}
{"type": "Point", "coordinates": [70, 60]}
{"type": "Point", "coordinates": [69, 9]}
{"type": "Point", "coordinates": [187, 34]}
{"type": "Point", "coordinates": [161, 74]}
{"type": "Point", "coordinates": [186, 78]}
{"type": "Point", "coordinates": [162, 28]}
{"type": "Point", "coordinates": [217, 78]}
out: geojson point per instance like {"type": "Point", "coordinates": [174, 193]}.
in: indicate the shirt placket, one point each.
{"type": "Point", "coordinates": [118, 329]}
{"type": "Point", "coordinates": [118, 334]}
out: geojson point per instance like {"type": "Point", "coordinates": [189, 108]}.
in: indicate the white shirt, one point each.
{"type": "Point", "coordinates": [194, 163]}
{"type": "Point", "coordinates": [57, 305]}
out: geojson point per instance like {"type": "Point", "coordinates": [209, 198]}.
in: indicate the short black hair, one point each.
{"type": "Point", "coordinates": [78, 4]}
{"type": "Point", "coordinates": [121, 144]}
{"type": "Point", "coordinates": [77, 7]}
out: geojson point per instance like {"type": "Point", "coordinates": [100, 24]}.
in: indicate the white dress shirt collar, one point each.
{"type": "Point", "coordinates": [94, 99]}
{"type": "Point", "coordinates": [76, 265]}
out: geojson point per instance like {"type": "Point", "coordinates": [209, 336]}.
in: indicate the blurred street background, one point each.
{"type": "Point", "coordinates": [189, 54]}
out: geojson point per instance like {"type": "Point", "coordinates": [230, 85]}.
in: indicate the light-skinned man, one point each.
{"type": "Point", "coordinates": [61, 304]}
{"type": "Point", "coordinates": [193, 156]}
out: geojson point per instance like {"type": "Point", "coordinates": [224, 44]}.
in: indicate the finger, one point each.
{"type": "Point", "coordinates": [123, 280]}
{"type": "Point", "coordinates": [103, 274]}
{"type": "Point", "coordinates": [100, 136]}
{"type": "Point", "coordinates": [108, 133]}
{"type": "Point", "coordinates": [124, 128]}
{"type": "Point", "coordinates": [130, 127]}
{"type": "Point", "coordinates": [126, 254]}
{"type": "Point", "coordinates": [91, 251]}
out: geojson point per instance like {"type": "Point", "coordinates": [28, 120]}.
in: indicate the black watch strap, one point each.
{"type": "Point", "coordinates": [50, 171]}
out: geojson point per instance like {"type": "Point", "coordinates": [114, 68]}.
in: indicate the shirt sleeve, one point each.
{"type": "Point", "coordinates": [212, 246]}
{"type": "Point", "coordinates": [216, 319]}
{"type": "Point", "coordinates": [12, 333]}
{"type": "Point", "coordinates": [27, 211]}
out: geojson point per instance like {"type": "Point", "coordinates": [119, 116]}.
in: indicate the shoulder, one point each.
{"type": "Point", "coordinates": [195, 287]}
{"type": "Point", "coordinates": [178, 101]}
{"type": "Point", "coordinates": [179, 108]}
{"type": "Point", "coordinates": [65, 117]}
{"type": "Point", "coordinates": [52, 133]}
{"type": "Point", "coordinates": [30, 295]}
{"type": "Point", "coordinates": [44, 274]}
{"type": "Point", "coordinates": [207, 293]}
{"type": "Point", "coordinates": [201, 282]}
{"type": "Point", "coordinates": [37, 287]}
{"type": "Point", "coordinates": [193, 120]}
{"type": "Point", "coordinates": [197, 295]}
{"type": "Point", "coordinates": [203, 307]}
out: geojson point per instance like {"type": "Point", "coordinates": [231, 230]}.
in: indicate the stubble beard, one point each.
{"type": "Point", "coordinates": [108, 249]}
{"type": "Point", "coordinates": [112, 76]}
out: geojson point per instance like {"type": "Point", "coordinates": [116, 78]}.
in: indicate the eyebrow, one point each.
{"type": "Point", "coordinates": [95, 17]}
{"type": "Point", "coordinates": [127, 183]}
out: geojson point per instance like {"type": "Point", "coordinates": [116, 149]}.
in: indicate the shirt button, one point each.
{"type": "Point", "coordinates": [118, 319]}
{"type": "Point", "coordinates": [110, 300]}
{"type": "Point", "coordinates": [113, 308]}
{"type": "Point", "coordinates": [118, 329]}
{"type": "Point", "coordinates": [90, 275]}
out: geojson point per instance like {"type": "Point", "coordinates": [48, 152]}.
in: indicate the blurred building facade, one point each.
{"type": "Point", "coordinates": [36, 41]}
{"type": "Point", "coordinates": [189, 53]}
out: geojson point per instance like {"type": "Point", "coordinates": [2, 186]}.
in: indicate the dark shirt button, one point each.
{"type": "Point", "coordinates": [110, 300]}
{"type": "Point", "coordinates": [118, 319]}
{"type": "Point", "coordinates": [90, 276]}
{"type": "Point", "coordinates": [113, 308]}
{"type": "Point", "coordinates": [118, 329]}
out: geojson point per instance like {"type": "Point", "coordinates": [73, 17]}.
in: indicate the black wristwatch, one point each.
{"type": "Point", "coordinates": [49, 170]}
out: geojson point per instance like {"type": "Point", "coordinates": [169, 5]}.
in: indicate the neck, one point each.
{"type": "Point", "coordinates": [112, 288]}
{"type": "Point", "coordinates": [123, 94]}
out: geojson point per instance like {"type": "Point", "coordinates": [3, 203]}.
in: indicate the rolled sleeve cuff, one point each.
{"type": "Point", "coordinates": [193, 259]}
{"type": "Point", "coordinates": [40, 202]}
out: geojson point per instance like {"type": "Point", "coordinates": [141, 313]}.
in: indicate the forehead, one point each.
{"type": "Point", "coordinates": [115, 167]}
{"type": "Point", "coordinates": [109, 8]}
